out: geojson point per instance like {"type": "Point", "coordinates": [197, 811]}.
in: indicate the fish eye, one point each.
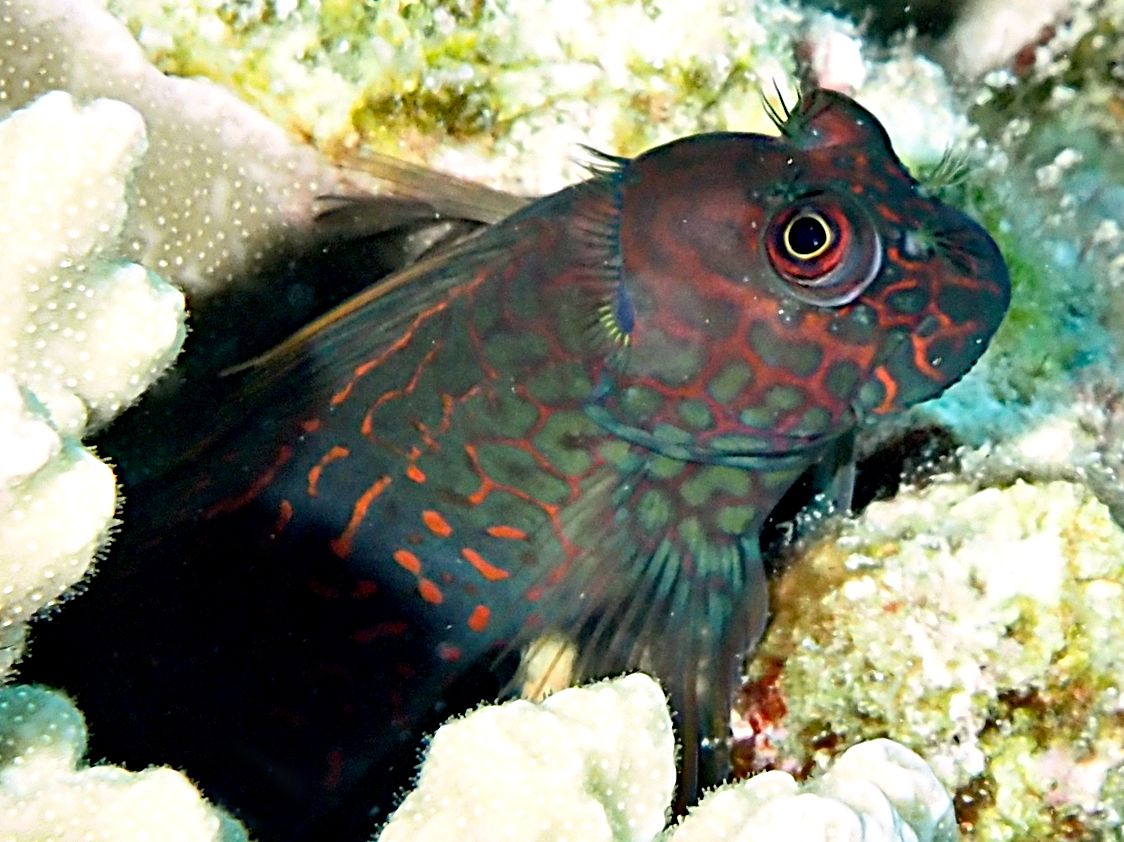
{"type": "Point", "coordinates": [807, 236]}
{"type": "Point", "coordinates": [825, 248]}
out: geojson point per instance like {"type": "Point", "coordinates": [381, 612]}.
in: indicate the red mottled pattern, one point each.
{"type": "Point", "coordinates": [576, 420]}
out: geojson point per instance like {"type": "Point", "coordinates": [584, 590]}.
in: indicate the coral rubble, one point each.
{"type": "Point", "coordinates": [980, 628]}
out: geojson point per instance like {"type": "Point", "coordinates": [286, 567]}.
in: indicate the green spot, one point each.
{"type": "Point", "coordinates": [872, 394]}
{"type": "Point", "coordinates": [696, 414]}
{"type": "Point", "coordinates": [739, 444]}
{"type": "Point", "coordinates": [564, 441]}
{"type": "Point", "coordinates": [515, 351]}
{"type": "Point", "coordinates": [506, 414]}
{"type": "Point", "coordinates": [653, 510]}
{"type": "Point", "coordinates": [816, 420]}
{"type": "Point", "coordinates": [668, 359]}
{"type": "Point", "coordinates": [616, 452]}
{"type": "Point", "coordinates": [558, 383]}
{"type": "Point", "coordinates": [801, 358]}
{"type": "Point", "coordinates": [909, 302]}
{"type": "Point", "coordinates": [665, 467]}
{"type": "Point", "coordinates": [485, 312]}
{"type": "Point", "coordinates": [778, 401]}
{"type": "Point", "coordinates": [639, 403]}
{"type": "Point", "coordinates": [842, 379]}
{"type": "Point", "coordinates": [512, 466]}
{"type": "Point", "coordinates": [725, 386]}
{"type": "Point", "coordinates": [855, 325]}
{"type": "Point", "coordinates": [449, 472]}
{"type": "Point", "coordinates": [734, 520]}
{"type": "Point", "coordinates": [670, 434]}
{"type": "Point", "coordinates": [785, 398]}
{"type": "Point", "coordinates": [503, 507]}
{"type": "Point", "coordinates": [691, 533]}
{"type": "Point", "coordinates": [777, 480]}
{"type": "Point", "coordinates": [714, 479]}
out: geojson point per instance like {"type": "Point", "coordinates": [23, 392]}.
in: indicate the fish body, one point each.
{"type": "Point", "coordinates": [576, 420]}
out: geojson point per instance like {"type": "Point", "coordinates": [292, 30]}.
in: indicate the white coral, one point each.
{"type": "Point", "coordinates": [877, 791]}
{"type": "Point", "coordinates": [598, 763]}
{"type": "Point", "coordinates": [82, 333]}
{"type": "Point", "coordinates": [47, 792]}
{"type": "Point", "coordinates": [83, 330]}
{"type": "Point", "coordinates": [588, 764]}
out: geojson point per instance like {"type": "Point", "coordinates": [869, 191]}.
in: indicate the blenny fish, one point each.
{"type": "Point", "coordinates": [574, 421]}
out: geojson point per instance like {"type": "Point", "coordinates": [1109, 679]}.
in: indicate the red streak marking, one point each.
{"type": "Point", "coordinates": [479, 618]}
{"type": "Point", "coordinates": [415, 473]}
{"type": "Point", "coordinates": [921, 359]}
{"type": "Point", "coordinates": [430, 592]}
{"type": "Point", "coordinates": [436, 524]}
{"type": "Point", "coordinates": [552, 510]}
{"type": "Point", "coordinates": [485, 568]}
{"type": "Point", "coordinates": [509, 532]}
{"type": "Point", "coordinates": [534, 594]}
{"type": "Point", "coordinates": [284, 515]}
{"type": "Point", "coordinates": [891, 387]}
{"type": "Point", "coordinates": [392, 628]}
{"type": "Point", "coordinates": [323, 591]}
{"type": "Point", "coordinates": [367, 424]}
{"type": "Point", "coordinates": [408, 561]}
{"type": "Point", "coordinates": [335, 769]}
{"type": "Point", "coordinates": [341, 546]}
{"type": "Point", "coordinates": [364, 588]}
{"type": "Point", "coordinates": [407, 336]}
{"type": "Point", "coordinates": [316, 470]}
{"type": "Point", "coordinates": [232, 503]}
{"type": "Point", "coordinates": [311, 425]}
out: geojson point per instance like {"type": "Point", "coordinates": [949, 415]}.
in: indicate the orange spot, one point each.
{"type": "Point", "coordinates": [448, 653]}
{"type": "Point", "coordinates": [436, 524]}
{"type": "Point", "coordinates": [483, 566]}
{"type": "Point", "coordinates": [415, 473]}
{"type": "Point", "coordinates": [284, 515]}
{"type": "Point", "coordinates": [430, 592]}
{"type": "Point", "coordinates": [341, 546]}
{"type": "Point", "coordinates": [479, 618]}
{"type": "Point", "coordinates": [314, 473]}
{"type": "Point", "coordinates": [408, 561]}
{"type": "Point", "coordinates": [311, 425]}
{"type": "Point", "coordinates": [364, 588]}
{"type": "Point", "coordinates": [509, 532]}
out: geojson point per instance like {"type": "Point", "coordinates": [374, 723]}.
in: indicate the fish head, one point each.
{"type": "Point", "coordinates": [776, 291]}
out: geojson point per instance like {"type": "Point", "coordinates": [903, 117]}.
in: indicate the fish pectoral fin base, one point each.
{"type": "Point", "coordinates": [682, 606]}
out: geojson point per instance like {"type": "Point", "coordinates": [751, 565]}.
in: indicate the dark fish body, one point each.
{"type": "Point", "coordinates": [576, 420]}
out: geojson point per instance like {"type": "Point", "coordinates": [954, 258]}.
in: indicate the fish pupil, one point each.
{"type": "Point", "coordinates": [807, 236]}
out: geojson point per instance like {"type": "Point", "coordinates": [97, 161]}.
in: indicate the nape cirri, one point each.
{"type": "Point", "coordinates": [576, 419]}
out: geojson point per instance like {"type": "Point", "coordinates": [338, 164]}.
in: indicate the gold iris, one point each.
{"type": "Point", "coordinates": [807, 236]}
